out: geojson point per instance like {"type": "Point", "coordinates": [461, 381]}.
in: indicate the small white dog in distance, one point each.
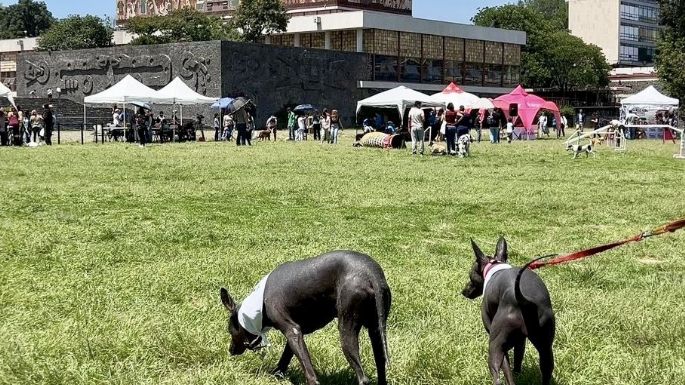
{"type": "Point", "coordinates": [578, 149]}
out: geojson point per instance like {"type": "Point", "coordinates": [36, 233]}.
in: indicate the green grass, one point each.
{"type": "Point", "coordinates": [112, 257]}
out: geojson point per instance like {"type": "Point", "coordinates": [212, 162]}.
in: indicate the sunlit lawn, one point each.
{"type": "Point", "coordinates": [113, 256]}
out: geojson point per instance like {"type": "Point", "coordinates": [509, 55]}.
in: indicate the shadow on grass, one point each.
{"type": "Point", "coordinates": [341, 377]}
{"type": "Point", "coordinates": [530, 375]}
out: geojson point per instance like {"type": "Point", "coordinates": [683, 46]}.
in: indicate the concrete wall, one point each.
{"type": "Point", "coordinates": [275, 77]}
{"type": "Point", "coordinates": [597, 22]}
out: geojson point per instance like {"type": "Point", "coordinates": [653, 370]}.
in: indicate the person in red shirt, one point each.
{"type": "Point", "coordinates": [451, 117]}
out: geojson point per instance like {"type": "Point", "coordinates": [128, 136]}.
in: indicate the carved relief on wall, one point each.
{"type": "Point", "coordinates": [195, 69]}
{"type": "Point", "coordinates": [80, 76]}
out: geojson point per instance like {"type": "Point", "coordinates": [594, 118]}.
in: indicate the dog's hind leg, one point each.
{"type": "Point", "coordinates": [349, 328]}
{"type": "Point", "coordinates": [376, 337]}
{"type": "Point", "coordinates": [507, 370]}
{"type": "Point", "coordinates": [495, 360]}
{"type": "Point", "coordinates": [283, 363]}
{"type": "Point", "coordinates": [546, 360]}
{"type": "Point", "coordinates": [519, 352]}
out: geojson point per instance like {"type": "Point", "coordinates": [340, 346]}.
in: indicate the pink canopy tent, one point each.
{"type": "Point", "coordinates": [529, 106]}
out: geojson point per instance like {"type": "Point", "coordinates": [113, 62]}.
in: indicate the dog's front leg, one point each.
{"type": "Point", "coordinates": [283, 363]}
{"type": "Point", "coordinates": [297, 345]}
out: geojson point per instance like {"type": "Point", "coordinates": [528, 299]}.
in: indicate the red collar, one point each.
{"type": "Point", "coordinates": [488, 267]}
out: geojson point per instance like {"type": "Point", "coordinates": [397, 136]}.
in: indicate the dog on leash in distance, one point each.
{"type": "Point", "coordinates": [578, 149]}
{"type": "Point", "coordinates": [516, 305]}
{"type": "Point", "coordinates": [299, 298]}
{"type": "Point", "coordinates": [264, 135]}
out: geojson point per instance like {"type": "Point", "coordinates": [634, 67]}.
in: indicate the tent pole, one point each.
{"type": "Point", "coordinates": [84, 123]}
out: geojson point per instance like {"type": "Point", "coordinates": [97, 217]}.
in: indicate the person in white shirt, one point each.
{"type": "Point", "coordinates": [510, 130]}
{"type": "Point", "coordinates": [543, 124]}
{"type": "Point", "coordinates": [580, 121]}
{"type": "Point", "coordinates": [116, 118]}
{"type": "Point", "coordinates": [325, 126]}
{"type": "Point", "coordinates": [272, 125]}
{"type": "Point", "coordinates": [416, 121]}
{"type": "Point", "coordinates": [229, 124]}
{"type": "Point", "coordinates": [564, 124]}
{"type": "Point", "coordinates": [301, 127]}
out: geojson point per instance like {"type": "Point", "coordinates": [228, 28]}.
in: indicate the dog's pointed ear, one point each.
{"type": "Point", "coordinates": [502, 254]}
{"type": "Point", "coordinates": [226, 299]}
{"type": "Point", "coordinates": [480, 257]}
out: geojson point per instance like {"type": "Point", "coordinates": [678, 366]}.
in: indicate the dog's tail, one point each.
{"type": "Point", "coordinates": [383, 300]}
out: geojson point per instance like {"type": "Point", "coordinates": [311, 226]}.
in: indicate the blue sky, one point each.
{"type": "Point", "coordinates": [428, 9]}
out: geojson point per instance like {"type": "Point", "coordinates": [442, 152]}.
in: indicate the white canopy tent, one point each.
{"type": "Point", "coordinates": [650, 97]}
{"type": "Point", "coordinates": [399, 98]}
{"type": "Point", "coordinates": [6, 93]}
{"type": "Point", "coordinates": [126, 91]}
{"type": "Point", "coordinates": [178, 92]}
{"type": "Point", "coordinates": [646, 103]}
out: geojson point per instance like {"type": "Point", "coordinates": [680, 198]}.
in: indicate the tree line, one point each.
{"type": "Point", "coordinates": [30, 18]}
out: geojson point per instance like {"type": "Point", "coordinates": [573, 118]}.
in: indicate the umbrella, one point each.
{"type": "Point", "coordinates": [304, 108]}
{"type": "Point", "coordinates": [142, 105]}
{"type": "Point", "coordinates": [237, 104]}
{"type": "Point", "coordinates": [223, 103]}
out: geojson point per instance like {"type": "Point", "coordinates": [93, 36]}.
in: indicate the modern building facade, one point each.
{"type": "Point", "coordinates": [626, 30]}
{"type": "Point", "coordinates": [426, 54]}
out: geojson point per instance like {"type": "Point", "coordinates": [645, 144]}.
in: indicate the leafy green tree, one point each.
{"type": "Point", "coordinates": [182, 25]}
{"type": "Point", "coordinates": [77, 32]}
{"type": "Point", "coordinates": [256, 18]}
{"type": "Point", "coordinates": [552, 58]}
{"type": "Point", "coordinates": [26, 18]}
{"type": "Point", "coordinates": [670, 58]}
{"type": "Point", "coordinates": [555, 11]}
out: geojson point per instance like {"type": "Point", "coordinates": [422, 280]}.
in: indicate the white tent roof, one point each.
{"type": "Point", "coordinates": [650, 97]}
{"type": "Point", "coordinates": [400, 98]}
{"type": "Point", "coordinates": [126, 91]}
{"type": "Point", "coordinates": [6, 93]}
{"type": "Point", "coordinates": [177, 92]}
{"type": "Point", "coordinates": [457, 99]}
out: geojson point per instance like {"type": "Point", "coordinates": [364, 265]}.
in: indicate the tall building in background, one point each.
{"type": "Point", "coordinates": [626, 30]}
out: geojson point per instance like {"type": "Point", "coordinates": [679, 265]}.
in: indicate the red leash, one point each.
{"type": "Point", "coordinates": [667, 228]}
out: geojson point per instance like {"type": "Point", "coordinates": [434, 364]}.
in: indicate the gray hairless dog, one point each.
{"type": "Point", "coordinates": [516, 305]}
{"type": "Point", "coordinates": [304, 296]}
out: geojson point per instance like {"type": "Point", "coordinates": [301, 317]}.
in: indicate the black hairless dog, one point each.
{"type": "Point", "coordinates": [516, 305]}
{"type": "Point", "coordinates": [301, 297]}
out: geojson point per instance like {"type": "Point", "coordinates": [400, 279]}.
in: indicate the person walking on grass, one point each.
{"type": "Point", "coordinates": [229, 125]}
{"type": "Point", "coordinates": [451, 117]}
{"type": "Point", "coordinates": [140, 120]}
{"type": "Point", "coordinates": [240, 117]}
{"type": "Point", "coordinates": [336, 126]}
{"type": "Point", "coordinates": [562, 127]}
{"type": "Point", "coordinates": [316, 125]}
{"type": "Point", "coordinates": [292, 121]}
{"type": "Point", "coordinates": [416, 123]}
{"type": "Point", "coordinates": [494, 121]}
{"type": "Point", "coordinates": [301, 127]}
{"type": "Point", "coordinates": [272, 125]}
{"type": "Point", "coordinates": [36, 125]}
{"type": "Point", "coordinates": [217, 127]}
{"type": "Point", "coordinates": [325, 126]}
{"type": "Point", "coordinates": [510, 130]}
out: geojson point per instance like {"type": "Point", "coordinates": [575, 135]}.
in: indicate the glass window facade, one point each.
{"type": "Point", "coordinates": [637, 54]}
{"type": "Point", "coordinates": [640, 12]}
{"type": "Point", "coordinates": [422, 58]}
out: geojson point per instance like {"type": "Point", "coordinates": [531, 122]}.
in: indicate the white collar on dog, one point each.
{"type": "Point", "coordinates": [250, 314]}
{"type": "Point", "coordinates": [494, 270]}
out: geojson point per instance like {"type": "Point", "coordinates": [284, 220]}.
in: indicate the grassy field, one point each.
{"type": "Point", "coordinates": [113, 256]}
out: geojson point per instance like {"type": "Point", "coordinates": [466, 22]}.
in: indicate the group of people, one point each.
{"type": "Point", "coordinates": [142, 122]}
{"type": "Point", "coordinates": [325, 126]}
{"type": "Point", "coordinates": [240, 121]}
{"type": "Point", "coordinates": [454, 124]}
{"type": "Point", "coordinates": [17, 128]}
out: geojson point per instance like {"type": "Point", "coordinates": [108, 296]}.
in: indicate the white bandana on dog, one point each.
{"type": "Point", "coordinates": [250, 314]}
{"type": "Point", "coordinates": [494, 270]}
